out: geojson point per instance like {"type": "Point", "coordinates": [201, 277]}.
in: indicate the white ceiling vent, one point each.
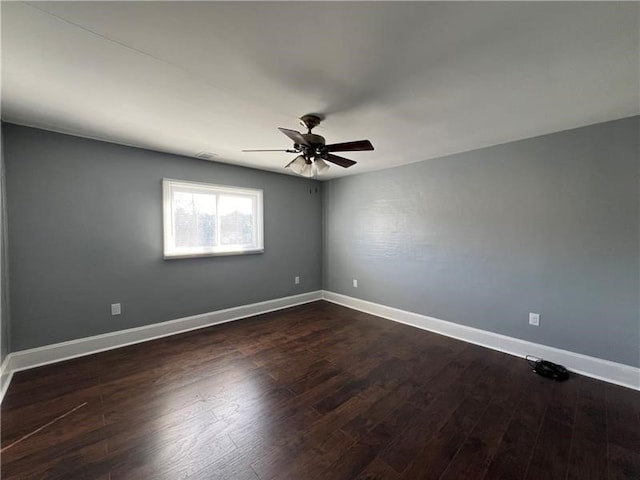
{"type": "Point", "coordinates": [206, 155]}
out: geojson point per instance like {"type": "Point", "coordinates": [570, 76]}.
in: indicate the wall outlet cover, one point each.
{"type": "Point", "coordinates": [534, 319]}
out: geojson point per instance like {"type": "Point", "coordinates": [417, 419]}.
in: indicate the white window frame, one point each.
{"type": "Point", "coordinates": [169, 248]}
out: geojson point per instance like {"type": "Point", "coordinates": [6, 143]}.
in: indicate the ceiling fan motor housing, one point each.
{"type": "Point", "coordinates": [315, 144]}
{"type": "Point", "coordinates": [314, 140]}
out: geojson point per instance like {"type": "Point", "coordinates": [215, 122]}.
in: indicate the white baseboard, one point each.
{"type": "Point", "coordinates": [598, 368]}
{"type": "Point", "coordinates": [58, 352]}
{"type": "Point", "coordinates": [5, 376]}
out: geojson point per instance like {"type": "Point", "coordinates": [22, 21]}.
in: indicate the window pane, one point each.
{"type": "Point", "coordinates": [195, 219]}
{"type": "Point", "coordinates": [236, 220]}
{"type": "Point", "coordinates": [203, 219]}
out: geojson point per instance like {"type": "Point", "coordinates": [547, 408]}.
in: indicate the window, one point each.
{"type": "Point", "coordinates": [201, 219]}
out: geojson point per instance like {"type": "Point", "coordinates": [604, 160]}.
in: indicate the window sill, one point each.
{"type": "Point", "coordinates": [177, 256]}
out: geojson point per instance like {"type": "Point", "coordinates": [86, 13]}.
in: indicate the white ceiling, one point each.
{"type": "Point", "coordinates": [420, 80]}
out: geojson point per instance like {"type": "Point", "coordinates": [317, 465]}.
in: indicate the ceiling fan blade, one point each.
{"type": "Point", "coordinates": [349, 146]}
{"type": "Point", "coordinates": [343, 162]}
{"type": "Point", "coordinates": [294, 135]}
{"type": "Point", "coordinates": [272, 150]}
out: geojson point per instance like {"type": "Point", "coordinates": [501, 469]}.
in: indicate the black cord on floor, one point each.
{"type": "Point", "coordinates": [532, 363]}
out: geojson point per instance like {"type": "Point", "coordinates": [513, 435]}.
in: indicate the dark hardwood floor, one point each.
{"type": "Point", "coordinates": [314, 392]}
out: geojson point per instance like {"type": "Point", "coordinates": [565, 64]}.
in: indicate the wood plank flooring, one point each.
{"type": "Point", "coordinates": [314, 392]}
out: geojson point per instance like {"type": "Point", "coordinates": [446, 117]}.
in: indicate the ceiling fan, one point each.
{"type": "Point", "coordinates": [313, 150]}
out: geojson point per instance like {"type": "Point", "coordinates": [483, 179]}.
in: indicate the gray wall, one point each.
{"type": "Point", "coordinates": [547, 225]}
{"type": "Point", "coordinates": [4, 284]}
{"type": "Point", "coordinates": [85, 231]}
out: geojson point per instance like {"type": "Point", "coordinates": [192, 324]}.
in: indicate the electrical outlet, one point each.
{"type": "Point", "coordinates": [355, 283]}
{"type": "Point", "coordinates": [116, 309]}
{"type": "Point", "coordinates": [297, 280]}
{"type": "Point", "coordinates": [534, 319]}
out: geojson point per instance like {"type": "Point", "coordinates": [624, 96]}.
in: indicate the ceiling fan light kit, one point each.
{"type": "Point", "coordinates": [307, 171]}
{"type": "Point", "coordinates": [321, 165]}
{"type": "Point", "coordinates": [306, 167]}
{"type": "Point", "coordinates": [298, 165]}
{"type": "Point", "coordinates": [313, 150]}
